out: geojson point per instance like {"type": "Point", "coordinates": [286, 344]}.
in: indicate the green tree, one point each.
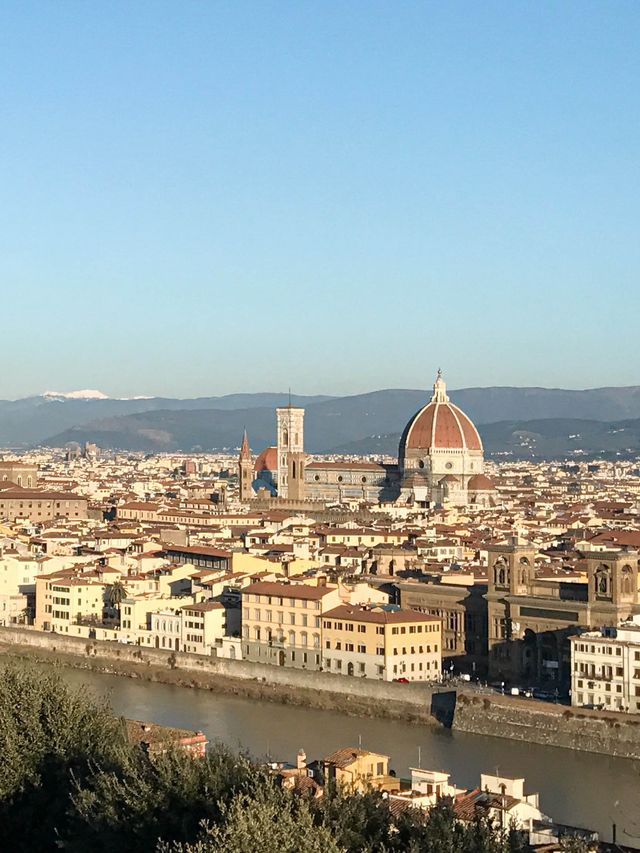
{"type": "Point", "coordinates": [573, 844]}
{"type": "Point", "coordinates": [50, 740]}
{"type": "Point", "coordinates": [358, 822]}
{"type": "Point", "coordinates": [167, 796]}
{"type": "Point", "coordinates": [271, 821]}
{"type": "Point", "coordinates": [116, 593]}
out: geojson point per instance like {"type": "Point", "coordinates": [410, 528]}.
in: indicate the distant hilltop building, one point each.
{"type": "Point", "coordinates": [440, 459]}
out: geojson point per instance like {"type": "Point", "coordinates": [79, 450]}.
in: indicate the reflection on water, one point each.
{"type": "Point", "coordinates": [575, 788]}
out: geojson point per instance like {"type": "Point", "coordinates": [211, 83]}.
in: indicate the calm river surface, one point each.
{"type": "Point", "coordinates": [582, 789]}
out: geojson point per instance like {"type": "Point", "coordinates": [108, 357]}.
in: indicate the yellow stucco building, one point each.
{"type": "Point", "coordinates": [382, 642]}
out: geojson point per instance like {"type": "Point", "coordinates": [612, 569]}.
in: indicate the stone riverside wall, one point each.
{"type": "Point", "coordinates": [465, 711]}
{"type": "Point", "coordinates": [371, 698]}
{"type": "Point", "coordinates": [548, 724]}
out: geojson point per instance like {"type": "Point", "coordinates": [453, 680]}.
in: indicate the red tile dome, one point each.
{"type": "Point", "coordinates": [480, 483]}
{"type": "Point", "coordinates": [267, 460]}
{"type": "Point", "coordinates": [440, 426]}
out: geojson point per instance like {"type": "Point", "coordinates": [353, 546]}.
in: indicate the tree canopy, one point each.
{"type": "Point", "coordinates": [70, 780]}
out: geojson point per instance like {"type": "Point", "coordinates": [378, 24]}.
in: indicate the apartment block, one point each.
{"type": "Point", "coordinates": [282, 623]}
{"type": "Point", "coordinates": [382, 642]}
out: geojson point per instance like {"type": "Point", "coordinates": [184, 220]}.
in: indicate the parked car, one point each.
{"type": "Point", "coordinates": [543, 695]}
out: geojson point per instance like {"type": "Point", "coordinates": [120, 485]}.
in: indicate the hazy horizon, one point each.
{"type": "Point", "coordinates": [99, 393]}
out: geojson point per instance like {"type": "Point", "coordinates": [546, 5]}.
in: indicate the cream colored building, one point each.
{"type": "Point", "coordinates": [62, 601]}
{"type": "Point", "coordinates": [136, 610]}
{"type": "Point", "coordinates": [18, 586]}
{"type": "Point", "coordinates": [203, 624]}
{"type": "Point", "coordinates": [282, 623]}
{"type": "Point", "coordinates": [605, 668]}
{"type": "Point", "coordinates": [382, 642]}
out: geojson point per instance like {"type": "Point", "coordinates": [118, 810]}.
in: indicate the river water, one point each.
{"type": "Point", "coordinates": [582, 789]}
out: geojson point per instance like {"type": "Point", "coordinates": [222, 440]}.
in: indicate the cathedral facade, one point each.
{"type": "Point", "coordinates": [440, 460]}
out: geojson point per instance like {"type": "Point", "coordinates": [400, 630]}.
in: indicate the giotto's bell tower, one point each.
{"type": "Point", "coordinates": [291, 458]}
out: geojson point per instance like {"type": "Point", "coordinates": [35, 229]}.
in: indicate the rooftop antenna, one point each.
{"type": "Point", "coordinates": [359, 741]}
{"type": "Point", "coordinates": [419, 758]}
{"type": "Point", "coordinates": [289, 396]}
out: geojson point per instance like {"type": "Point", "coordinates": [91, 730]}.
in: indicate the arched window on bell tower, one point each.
{"type": "Point", "coordinates": [500, 573]}
{"type": "Point", "coordinates": [602, 581]}
{"type": "Point", "coordinates": [626, 581]}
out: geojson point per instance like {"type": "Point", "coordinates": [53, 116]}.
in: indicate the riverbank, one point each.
{"type": "Point", "coordinates": [463, 710]}
{"type": "Point", "coordinates": [268, 684]}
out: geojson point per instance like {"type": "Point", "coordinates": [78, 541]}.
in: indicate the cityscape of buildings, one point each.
{"type": "Point", "coordinates": [524, 575]}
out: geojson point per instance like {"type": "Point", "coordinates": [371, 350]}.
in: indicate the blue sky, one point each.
{"type": "Point", "coordinates": [207, 197]}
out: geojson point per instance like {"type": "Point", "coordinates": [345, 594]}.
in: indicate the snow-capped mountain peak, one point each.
{"type": "Point", "coordinates": [85, 394]}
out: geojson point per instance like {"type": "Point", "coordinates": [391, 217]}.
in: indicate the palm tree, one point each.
{"type": "Point", "coordinates": [116, 593]}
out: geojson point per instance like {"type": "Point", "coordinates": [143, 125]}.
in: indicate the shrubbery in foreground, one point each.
{"type": "Point", "coordinates": [70, 780]}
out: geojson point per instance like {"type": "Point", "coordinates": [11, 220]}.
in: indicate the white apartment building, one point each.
{"type": "Point", "coordinates": [605, 668]}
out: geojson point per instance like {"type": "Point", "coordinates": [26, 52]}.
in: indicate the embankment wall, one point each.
{"type": "Point", "coordinates": [463, 710]}
{"type": "Point", "coordinates": [548, 724]}
{"type": "Point", "coordinates": [294, 686]}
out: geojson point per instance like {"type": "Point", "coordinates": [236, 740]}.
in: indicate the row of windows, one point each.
{"type": "Point", "coordinates": [601, 650]}
{"type": "Point", "coordinates": [337, 666]}
{"type": "Point", "coordinates": [169, 627]}
{"type": "Point", "coordinates": [267, 616]}
{"type": "Point", "coordinates": [349, 626]}
{"type": "Point", "coordinates": [304, 657]}
{"type": "Point", "coordinates": [588, 670]}
{"type": "Point", "coordinates": [348, 647]}
{"type": "Point", "coordinates": [266, 635]}
{"type": "Point", "coordinates": [415, 629]}
{"type": "Point", "coordinates": [60, 614]}
{"type": "Point", "coordinates": [278, 601]}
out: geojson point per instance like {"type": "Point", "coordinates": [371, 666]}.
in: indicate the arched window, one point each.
{"type": "Point", "coordinates": [316, 641]}
{"type": "Point", "coordinates": [603, 580]}
{"type": "Point", "coordinates": [524, 570]}
{"type": "Point", "coordinates": [256, 632]}
{"type": "Point", "coordinates": [285, 438]}
{"type": "Point", "coordinates": [303, 638]}
{"type": "Point", "coordinates": [500, 573]}
{"type": "Point", "coordinates": [293, 470]}
{"type": "Point", "coordinates": [292, 638]}
{"type": "Point", "coordinates": [626, 583]}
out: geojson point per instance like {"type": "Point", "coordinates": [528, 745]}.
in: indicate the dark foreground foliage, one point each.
{"type": "Point", "coordinates": [69, 780]}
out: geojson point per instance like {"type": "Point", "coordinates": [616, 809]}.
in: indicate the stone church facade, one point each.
{"type": "Point", "coordinates": [440, 459]}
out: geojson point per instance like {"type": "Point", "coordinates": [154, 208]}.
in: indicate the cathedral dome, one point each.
{"type": "Point", "coordinates": [480, 483]}
{"type": "Point", "coordinates": [267, 460]}
{"type": "Point", "coordinates": [440, 426]}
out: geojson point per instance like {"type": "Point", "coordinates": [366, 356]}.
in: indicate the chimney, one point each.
{"type": "Point", "coordinates": [301, 759]}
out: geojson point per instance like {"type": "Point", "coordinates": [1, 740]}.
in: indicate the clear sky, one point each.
{"type": "Point", "coordinates": [337, 196]}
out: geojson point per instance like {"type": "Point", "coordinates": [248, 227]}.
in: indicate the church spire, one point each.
{"type": "Point", "coordinates": [439, 389]}
{"type": "Point", "coordinates": [245, 453]}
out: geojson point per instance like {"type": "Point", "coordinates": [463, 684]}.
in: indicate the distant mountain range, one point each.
{"type": "Point", "coordinates": [549, 438]}
{"type": "Point", "coordinates": [524, 422]}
